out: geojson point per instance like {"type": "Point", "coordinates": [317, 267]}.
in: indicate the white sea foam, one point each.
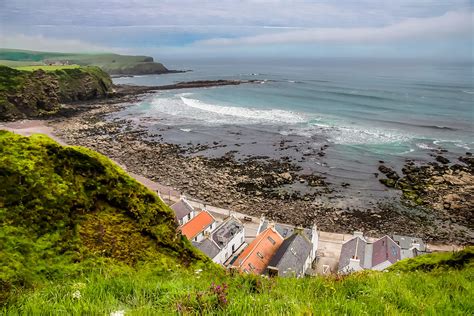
{"type": "Point", "coordinates": [425, 146]}
{"type": "Point", "coordinates": [187, 130]}
{"type": "Point", "coordinates": [250, 115]}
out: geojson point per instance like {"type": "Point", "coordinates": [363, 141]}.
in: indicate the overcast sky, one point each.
{"type": "Point", "coordinates": [218, 28]}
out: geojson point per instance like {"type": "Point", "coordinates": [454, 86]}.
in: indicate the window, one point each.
{"type": "Point", "coordinates": [195, 239]}
{"type": "Point", "coordinates": [251, 266]}
{"type": "Point", "coordinates": [233, 248]}
{"type": "Point", "coordinates": [394, 251]}
{"type": "Point", "coordinates": [271, 240]}
{"type": "Point", "coordinates": [189, 216]}
{"type": "Point", "coordinates": [259, 255]}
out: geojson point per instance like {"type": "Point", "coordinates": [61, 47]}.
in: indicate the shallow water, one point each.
{"type": "Point", "coordinates": [364, 111]}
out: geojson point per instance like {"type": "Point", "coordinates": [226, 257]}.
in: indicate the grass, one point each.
{"type": "Point", "coordinates": [79, 236]}
{"type": "Point", "coordinates": [152, 290]}
{"type": "Point", "coordinates": [47, 67]}
{"type": "Point", "coordinates": [111, 63]}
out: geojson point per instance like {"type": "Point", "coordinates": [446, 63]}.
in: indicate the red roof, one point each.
{"type": "Point", "coordinates": [257, 255]}
{"type": "Point", "coordinates": [197, 224]}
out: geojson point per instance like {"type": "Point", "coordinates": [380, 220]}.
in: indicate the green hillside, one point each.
{"type": "Point", "coordinates": [34, 93]}
{"type": "Point", "coordinates": [79, 236]}
{"type": "Point", "coordinates": [113, 64]}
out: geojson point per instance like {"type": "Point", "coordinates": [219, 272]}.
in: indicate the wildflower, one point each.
{"type": "Point", "coordinates": [118, 313]}
{"type": "Point", "coordinates": [76, 294]}
{"type": "Point", "coordinates": [198, 271]}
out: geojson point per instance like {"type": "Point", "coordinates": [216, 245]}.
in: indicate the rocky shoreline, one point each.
{"type": "Point", "coordinates": [255, 186]}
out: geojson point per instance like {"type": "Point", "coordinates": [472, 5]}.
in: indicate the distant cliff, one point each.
{"type": "Point", "coordinates": [113, 64]}
{"type": "Point", "coordinates": [25, 94]}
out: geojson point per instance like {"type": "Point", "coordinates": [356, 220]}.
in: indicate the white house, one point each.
{"type": "Point", "coordinates": [224, 241]}
{"type": "Point", "coordinates": [199, 226]}
{"type": "Point", "coordinates": [184, 212]}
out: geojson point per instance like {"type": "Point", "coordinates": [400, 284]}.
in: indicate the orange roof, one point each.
{"type": "Point", "coordinates": [257, 255]}
{"type": "Point", "coordinates": [197, 224]}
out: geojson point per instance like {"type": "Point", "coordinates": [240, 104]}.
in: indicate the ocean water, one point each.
{"type": "Point", "coordinates": [365, 111]}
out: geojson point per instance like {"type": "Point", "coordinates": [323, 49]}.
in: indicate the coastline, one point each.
{"type": "Point", "coordinates": [224, 181]}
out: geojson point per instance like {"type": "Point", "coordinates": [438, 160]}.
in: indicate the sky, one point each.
{"type": "Point", "coordinates": [429, 29]}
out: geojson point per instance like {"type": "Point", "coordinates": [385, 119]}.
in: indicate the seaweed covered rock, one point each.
{"type": "Point", "coordinates": [62, 206]}
{"type": "Point", "coordinates": [37, 93]}
{"type": "Point", "coordinates": [446, 189]}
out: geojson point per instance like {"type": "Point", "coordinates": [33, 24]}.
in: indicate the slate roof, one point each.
{"type": "Point", "coordinates": [226, 231]}
{"type": "Point", "coordinates": [291, 257]}
{"type": "Point", "coordinates": [181, 209]}
{"type": "Point", "coordinates": [287, 230]}
{"type": "Point", "coordinates": [354, 248]}
{"type": "Point", "coordinates": [197, 224]}
{"type": "Point", "coordinates": [208, 247]}
{"type": "Point", "coordinates": [407, 242]}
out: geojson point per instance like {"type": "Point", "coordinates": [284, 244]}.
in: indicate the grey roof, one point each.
{"type": "Point", "coordinates": [355, 248]}
{"type": "Point", "coordinates": [181, 209]}
{"type": "Point", "coordinates": [286, 230]}
{"type": "Point", "coordinates": [208, 247]}
{"type": "Point", "coordinates": [292, 255]}
{"type": "Point", "coordinates": [226, 231]}
{"type": "Point", "coordinates": [407, 242]}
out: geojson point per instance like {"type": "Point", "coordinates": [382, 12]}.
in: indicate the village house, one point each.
{"type": "Point", "coordinates": [287, 230]}
{"type": "Point", "coordinates": [184, 212]}
{"type": "Point", "coordinates": [359, 254]}
{"type": "Point", "coordinates": [221, 244]}
{"type": "Point", "coordinates": [255, 258]}
{"type": "Point", "coordinates": [410, 246]}
{"type": "Point", "coordinates": [293, 258]}
{"type": "Point", "coordinates": [199, 226]}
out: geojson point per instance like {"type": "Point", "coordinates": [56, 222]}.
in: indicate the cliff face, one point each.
{"type": "Point", "coordinates": [25, 94]}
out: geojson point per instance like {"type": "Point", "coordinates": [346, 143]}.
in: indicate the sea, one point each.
{"type": "Point", "coordinates": [338, 118]}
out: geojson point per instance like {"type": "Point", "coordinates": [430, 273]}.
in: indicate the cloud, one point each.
{"type": "Point", "coordinates": [41, 43]}
{"type": "Point", "coordinates": [449, 24]}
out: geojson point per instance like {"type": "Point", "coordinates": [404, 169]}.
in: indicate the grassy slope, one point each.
{"type": "Point", "coordinates": [111, 63]}
{"type": "Point", "coordinates": [83, 237]}
{"type": "Point", "coordinates": [34, 93]}
{"type": "Point", "coordinates": [63, 208]}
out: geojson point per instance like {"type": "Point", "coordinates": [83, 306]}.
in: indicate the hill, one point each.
{"type": "Point", "coordinates": [25, 93]}
{"type": "Point", "coordinates": [79, 236]}
{"type": "Point", "coordinates": [61, 207]}
{"type": "Point", "coordinates": [113, 64]}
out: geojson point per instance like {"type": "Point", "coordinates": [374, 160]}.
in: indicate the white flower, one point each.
{"type": "Point", "coordinates": [76, 294]}
{"type": "Point", "coordinates": [198, 271]}
{"type": "Point", "coordinates": [118, 313]}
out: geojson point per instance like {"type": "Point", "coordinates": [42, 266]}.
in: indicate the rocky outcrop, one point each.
{"type": "Point", "coordinates": [445, 189]}
{"type": "Point", "coordinates": [34, 94]}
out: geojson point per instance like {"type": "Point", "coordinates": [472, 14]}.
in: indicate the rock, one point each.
{"type": "Point", "coordinates": [286, 176]}
{"type": "Point", "coordinates": [442, 159]}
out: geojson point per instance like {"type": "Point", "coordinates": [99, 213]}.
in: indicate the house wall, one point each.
{"type": "Point", "coordinates": [208, 230]}
{"type": "Point", "coordinates": [353, 266]}
{"type": "Point", "coordinates": [187, 218]}
{"type": "Point", "coordinates": [382, 266]}
{"type": "Point", "coordinates": [315, 242]}
{"type": "Point", "coordinates": [226, 252]}
{"type": "Point", "coordinates": [307, 265]}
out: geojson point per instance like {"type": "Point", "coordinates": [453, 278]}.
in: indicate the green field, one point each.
{"type": "Point", "coordinates": [47, 67]}
{"type": "Point", "coordinates": [109, 62]}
